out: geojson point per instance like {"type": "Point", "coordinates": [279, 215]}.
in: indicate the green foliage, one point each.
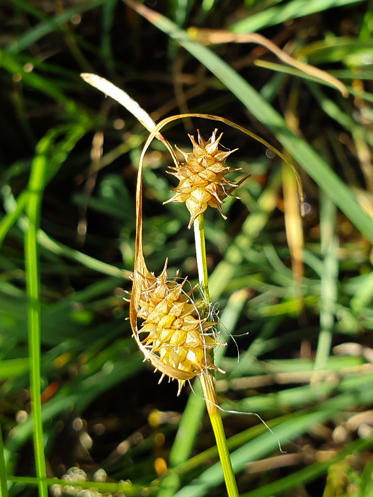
{"type": "Point", "coordinates": [73, 388]}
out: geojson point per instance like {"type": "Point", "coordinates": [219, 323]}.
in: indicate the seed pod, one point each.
{"type": "Point", "coordinates": [202, 181]}
{"type": "Point", "coordinates": [174, 334]}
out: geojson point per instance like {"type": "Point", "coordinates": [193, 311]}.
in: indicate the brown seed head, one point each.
{"type": "Point", "coordinates": [202, 181]}
{"type": "Point", "coordinates": [174, 335]}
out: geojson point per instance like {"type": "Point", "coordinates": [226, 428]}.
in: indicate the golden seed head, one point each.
{"type": "Point", "coordinates": [173, 335]}
{"type": "Point", "coordinates": [202, 181]}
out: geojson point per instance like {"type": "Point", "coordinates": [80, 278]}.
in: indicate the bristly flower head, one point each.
{"type": "Point", "coordinates": [202, 181]}
{"type": "Point", "coordinates": [174, 335]}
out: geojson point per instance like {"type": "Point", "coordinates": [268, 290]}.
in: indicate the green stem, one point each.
{"type": "Point", "coordinates": [3, 469]}
{"type": "Point", "coordinates": [33, 208]}
{"type": "Point", "coordinates": [199, 238]}
{"type": "Point", "coordinates": [207, 380]}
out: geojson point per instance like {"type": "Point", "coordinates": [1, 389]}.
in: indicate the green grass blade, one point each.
{"type": "Point", "coordinates": [47, 25]}
{"type": "Point", "coordinates": [228, 321]}
{"type": "Point", "coordinates": [33, 208]}
{"type": "Point", "coordinates": [107, 488]}
{"type": "Point", "coordinates": [329, 278]}
{"type": "Point", "coordinates": [334, 49]}
{"type": "Point", "coordinates": [331, 108]}
{"type": "Point", "coordinates": [290, 10]}
{"type": "Point", "coordinates": [108, 15]}
{"type": "Point", "coordinates": [85, 260]}
{"type": "Point", "coordinates": [273, 66]}
{"type": "Point", "coordinates": [303, 153]}
{"type": "Point", "coordinates": [11, 368]}
{"type": "Point", "coordinates": [363, 295]}
{"type": "Point", "coordinates": [12, 217]}
{"type": "Point", "coordinates": [3, 472]}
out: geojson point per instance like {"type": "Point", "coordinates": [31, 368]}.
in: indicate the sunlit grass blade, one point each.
{"type": "Point", "coordinates": [328, 290]}
{"type": "Point", "coordinates": [84, 259]}
{"type": "Point", "coordinates": [228, 320]}
{"type": "Point", "coordinates": [299, 397]}
{"type": "Point", "coordinates": [332, 49]}
{"type": "Point", "coordinates": [363, 295]}
{"type": "Point", "coordinates": [290, 10]}
{"type": "Point", "coordinates": [293, 71]}
{"type": "Point", "coordinates": [294, 229]}
{"type": "Point", "coordinates": [33, 209]}
{"type": "Point", "coordinates": [11, 368]}
{"type": "Point", "coordinates": [121, 488]}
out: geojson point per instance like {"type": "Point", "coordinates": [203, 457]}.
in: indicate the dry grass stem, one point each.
{"type": "Point", "coordinates": [213, 36]}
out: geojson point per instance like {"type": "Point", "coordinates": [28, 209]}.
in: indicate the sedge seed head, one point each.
{"type": "Point", "coordinates": [202, 181]}
{"type": "Point", "coordinates": [174, 334]}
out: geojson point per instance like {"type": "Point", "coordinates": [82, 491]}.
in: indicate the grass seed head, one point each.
{"type": "Point", "coordinates": [202, 181]}
{"type": "Point", "coordinates": [175, 335]}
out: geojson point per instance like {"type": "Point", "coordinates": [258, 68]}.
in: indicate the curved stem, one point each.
{"type": "Point", "coordinates": [207, 380]}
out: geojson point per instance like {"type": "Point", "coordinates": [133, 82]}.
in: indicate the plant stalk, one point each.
{"type": "Point", "coordinates": [33, 209]}
{"type": "Point", "coordinates": [206, 378]}
{"type": "Point", "coordinates": [199, 239]}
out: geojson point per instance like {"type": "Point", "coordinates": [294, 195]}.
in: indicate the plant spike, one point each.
{"type": "Point", "coordinates": [202, 181]}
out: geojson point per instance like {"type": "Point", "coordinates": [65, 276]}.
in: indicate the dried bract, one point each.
{"type": "Point", "coordinates": [202, 181]}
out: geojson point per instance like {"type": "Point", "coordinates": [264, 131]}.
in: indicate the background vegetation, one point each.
{"type": "Point", "coordinates": [295, 296]}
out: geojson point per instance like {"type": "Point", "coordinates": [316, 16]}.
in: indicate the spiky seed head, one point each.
{"type": "Point", "coordinates": [174, 333]}
{"type": "Point", "coordinates": [202, 181]}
